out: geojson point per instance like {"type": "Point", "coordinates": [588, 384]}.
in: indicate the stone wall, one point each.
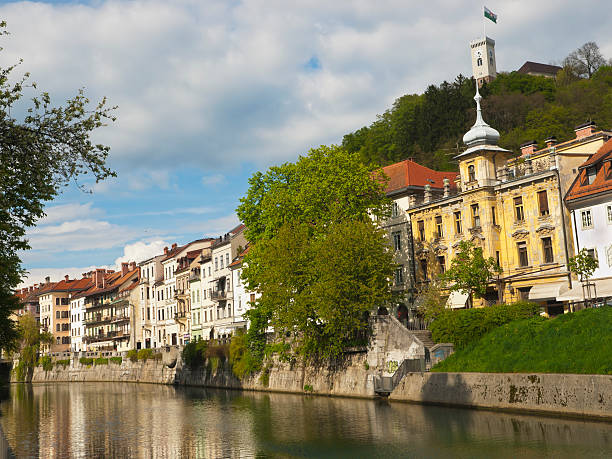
{"type": "Point", "coordinates": [574, 395]}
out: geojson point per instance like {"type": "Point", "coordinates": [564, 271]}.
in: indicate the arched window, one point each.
{"type": "Point", "coordinates": [471, 173]}
{"type": "Point", "coordinates": [479, 61]}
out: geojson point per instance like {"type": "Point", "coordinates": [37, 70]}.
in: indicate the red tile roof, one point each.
{"type": "Point", "coordinates": [239, 258]}
{"type": "Point", "coordinates": [408, 173]}
{"type": "Point", "coordinates": [112, 281]}
{"type": "Point", "coordinates": [70, 285]}
{"type": "Point", "coordinates": [603, 179]}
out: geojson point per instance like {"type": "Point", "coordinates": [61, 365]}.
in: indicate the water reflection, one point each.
{"type": "Point", "coordinates": [139, 420]}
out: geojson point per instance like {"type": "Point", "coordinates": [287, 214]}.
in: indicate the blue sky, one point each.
{"type": "Point", "coordinates": [210, 91]}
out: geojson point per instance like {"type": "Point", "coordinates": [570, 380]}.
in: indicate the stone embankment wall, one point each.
{"type": "Point", "coordinates": [570, 395]}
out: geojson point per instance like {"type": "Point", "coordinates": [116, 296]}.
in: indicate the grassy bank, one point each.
{"type": "Point", "coordinates": [572, 343]}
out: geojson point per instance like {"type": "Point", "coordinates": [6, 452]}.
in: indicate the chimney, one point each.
{"type": "Point", "coordinates": [528, 148]}
{"type": "Point", "coordinates": [551, 141]}
{"type": "Point", "coordinates": [132, 265]}
{"type": "Point", "coordinates": [446, 187]}
{"type": "Point", "coordinates": [165, 250]}
{"type": "Point", "coordinates": [47, 280]}
{"type": "Point", "coordinates": [174, 246]}
{"type": "Point", "coordinates": [124, 268]}
{"type": "Point", "coordinates": [427, 196]}
{"type": "Point", "coordinates": [585, 130]}
{"type": "Point", "coordinates": [66, 277]}
{"type": "Point", "coordinates": [99, 279]}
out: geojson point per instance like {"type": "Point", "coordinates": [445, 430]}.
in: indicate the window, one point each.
{"type": "Point", "coordinates": [423, 263]}
{"type": "Point", "coordinates": [519, 214]}
{"type": "Point", "coordinates": [221, 261]}
{"type": "Point", "coordinates": [609, 213]}
{"type": "Point", "coordinates": [592, 253]}
{"type": "Point", "coordinates": [216, 264]}
{"type": "Point", "coordinates": [421, 229]}
{"type": "Point", "coordinates": [442, 264]}
{"type": "Point", "coordinates": [497, 259]}
{"type": "Point", "coordinates": [543, 203]}
{"type": "Point", "coordinates": [493, 216]}
{"type": "Point", "coordinates": [57, 327]}
{"type": "Point", "coordinates": [591, 173]}
{"type": "Point", "coordinates": [399, 275]}
{"type": "Point", "coordinates": [522, 253]}
{"type": "Point", "coordinates": [57, 301]}
{"type": "Point", "coordinates": [475, 216]}
{"type": "Point", "coordinates": [439, 229]}
{"type": "Point", "coordinates": [458, 229]}
{"type": "Point", "coordinates": [547, 249]}
{"type": "Point", "coordinates": [227, 259]}
{"type": "Point", "coordinates": [397, 241]}
{"type": "Point", "coordinates": [57, 314]}
{"type": "Point", "coordinates": [587, 221]}
{"type": "Point", "coordinates": [479, 62]}
{"type": "Point", "coordinates": [471, 173]}
{"type": "Point", "coordinates": [394, 209]}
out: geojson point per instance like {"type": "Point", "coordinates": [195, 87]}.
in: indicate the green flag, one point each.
{"type": "Point", "coordinates": [490, 14]}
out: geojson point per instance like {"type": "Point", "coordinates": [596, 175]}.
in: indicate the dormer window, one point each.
{"type": "Point", "coordinates": [471, 173]}
{"type": "Point", "coordinates": [591, 173]}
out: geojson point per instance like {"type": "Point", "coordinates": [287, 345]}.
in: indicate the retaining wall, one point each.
{"type": "Point", "coordinates": [570, 395]}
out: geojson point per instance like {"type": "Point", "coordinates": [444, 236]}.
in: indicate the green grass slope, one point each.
{"type": "Point", "coordinates": [579, 343]}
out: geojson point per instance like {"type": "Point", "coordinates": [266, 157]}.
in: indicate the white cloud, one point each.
{"type": "Point", "coordinates": [140, 251]}
{"type": "Point", "coordinates": [38, 275]}
{"type": "Point", "coordinates": [65, 212]}
{"type": "Point", "coordinates": [213, 180]}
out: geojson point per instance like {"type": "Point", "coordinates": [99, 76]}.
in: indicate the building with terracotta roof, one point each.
{"type": "Point", "coordinates": [54, 299]}
{"type": "Point", "coordinates": [590, 201]}
{"type": "Point", "coordinates": [110, 309]}
{"type": "Point", "coordinates": [409, 184]}
{"type": "Point", "coordinates": [512, 208]}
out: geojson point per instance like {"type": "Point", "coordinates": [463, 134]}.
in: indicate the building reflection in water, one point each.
{"type": "Point", "coordinates": [142, 420]}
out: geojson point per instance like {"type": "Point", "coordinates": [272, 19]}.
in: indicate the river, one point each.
{"type": "Point", "coordinates": [142, 420]}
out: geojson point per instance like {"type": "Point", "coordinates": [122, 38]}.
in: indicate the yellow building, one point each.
{"type": "Point", "coordinates": [513, 209]}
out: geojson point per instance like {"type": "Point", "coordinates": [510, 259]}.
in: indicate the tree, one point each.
{"type": "Point", "coordinates": [316, 258]}
{"type": "Point", "coordinates": [583, 265]}
{"type": "Point", "coordinates": [470, 271]}
{"type": "Point", "coordinates": [585, 60]}
{"type": "Point", "coordinates": [45, 150]}
{"type": "Point", "coordinates": [30, 339]}
{"type": "Point", "coordinates": [319, 289]}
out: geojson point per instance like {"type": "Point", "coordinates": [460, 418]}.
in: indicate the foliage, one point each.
{"type": "Point", "coordinates": [465, 326]}
{"type": "Point", "coordinates": [132, 354]}
{"type": "Point", "coordinates": [329, 185]}
{"type": "Point", "coordinates": [213, 364]}
{"type": "Point", "coordinates": [308, 388]}
{"type": "Point", "coordinates": [570, 343]}
{"type": "Point", "coordinates": [46, 362]}
{"type": "Point", "coordinates": [320, 296]}
{"type": "Point", "coordinates": [101, 361]}
{"type": "Point", "coordinates": [29, 342]}
{"type": "Point", "coordinates": [583, 265]}
{"type": "Point", "coordinates": [145, 354]}
{"type": "Point", "coordinates": [39, 154]}
{"type": "Point", "coordinates": [116, 360]}
{"type": "Point", "coordinates": [63, 362]}
{"type": "Point", "coordinates": [86, 361]}
{"type": "Point", "coordinates": [194, 353]}
{"type": "Point", "coordinates": [241, 358]}
{"type": "Point", "coordinates": [585, 60]}
{"type": "Point", "coordinates": [470, 272]}
{"type": "Point", "coordinates": [264, 377]}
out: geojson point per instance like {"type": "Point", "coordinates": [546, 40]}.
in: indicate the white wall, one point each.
{"type": "Point", "coordinates": [598, 237]}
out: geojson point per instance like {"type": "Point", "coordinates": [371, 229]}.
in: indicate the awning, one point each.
{"type": "Point", "coordinates": [457, 300]}
{"type": "Point", "coordinates": [603, 289]}
{"type": "Point", "coordinates": [546, 292]}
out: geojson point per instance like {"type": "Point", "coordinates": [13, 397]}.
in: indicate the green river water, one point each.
{"type": "Point", "coordinates": [92, 420]}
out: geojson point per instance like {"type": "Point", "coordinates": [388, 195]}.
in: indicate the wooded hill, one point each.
{"type": "Point", "coordinates": [429, 127]}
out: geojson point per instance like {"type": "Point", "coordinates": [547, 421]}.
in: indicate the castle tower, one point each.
{"type": "Point", "coordinates": [484, 66]}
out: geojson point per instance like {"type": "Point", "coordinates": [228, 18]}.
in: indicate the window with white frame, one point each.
{"type": "Point", "coordinates": [587, 219]}
{"type": "Point", "coordinates": [609, 213]}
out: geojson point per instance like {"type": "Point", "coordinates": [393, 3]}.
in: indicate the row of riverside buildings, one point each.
{"type": "Point", "coordinates": [531, 212]}
{"type": "Point", "coordinates": [187, 293]}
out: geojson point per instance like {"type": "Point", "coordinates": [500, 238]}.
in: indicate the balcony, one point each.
{"type": "Point", "coordinates": [97, 318]}
{"type": "Point", "coordinates": [99, 337]}
{"type": "Point", "coordinates": [181, 315]}
{"type": "Point", "coordinates": [120, 318]}
{"type": "Point", "coordinates": [219, 295]}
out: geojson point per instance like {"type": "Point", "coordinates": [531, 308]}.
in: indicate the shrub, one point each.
{"type": "Point", "coordinates": [63, 363]}
{"type": "Point", "coordinates": [132, 354]}
{"type": "Point", "coordinates": [116, 360]}
{"type": "Point", "coordinates": [242, 360]}
{"type": "Point", "coordinates": [46, 363]}
{"type": "Point", "coordinates": [145, 354]}
{"type": "Point", "coordinates": [86, 360]}
{"type": "Point", "coordinates": [101, 361]}
{"type": "Point", "coordinates": [308, 388]}
{"type": "Point", "coordinates": [466, 326]}
{"type": "Point", "coordinates": [264, 378]}
{"type": "Point", "coordinates": [220, 351]}
{"type": "Point", "coordinates": [194, 354]}
{"type": "Point", "coordinates": [20, 371]}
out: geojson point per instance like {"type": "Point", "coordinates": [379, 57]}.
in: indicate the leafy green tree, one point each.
{"type": "Point", "coordinates": [30, 339]}
{"type": "Point", "coordinates": [44, 150]}
{"type": "Point", "coordinates": [470, 271]}
{"type": "Point", "coordinates": [319, 289]}
{"type": "Point", "coordinates": [583, 265]}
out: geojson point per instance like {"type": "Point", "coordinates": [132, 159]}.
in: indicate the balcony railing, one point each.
{"type": "Point", "coordinates": [219, 295]}
{"type": "Point", "coordinates": [180, 315]}
{"type": "Point", "coordinates": [99, 337]}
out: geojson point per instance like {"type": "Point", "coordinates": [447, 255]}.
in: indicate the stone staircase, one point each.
{"type": "Point", "coordinates": [424, 336]}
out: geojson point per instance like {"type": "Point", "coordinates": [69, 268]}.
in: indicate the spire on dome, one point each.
{"type": "Point", "coordinates": [481, 133]}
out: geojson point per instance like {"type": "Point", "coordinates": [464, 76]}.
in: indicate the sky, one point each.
{"type": "Point", "coordinates": [209, 92]}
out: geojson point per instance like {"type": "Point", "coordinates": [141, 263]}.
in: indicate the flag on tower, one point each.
{"type": "Point", "coordinates": [490, 15]}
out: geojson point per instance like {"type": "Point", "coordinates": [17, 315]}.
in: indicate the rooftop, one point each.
{"type": "Point", "coordinates": [407, 173]}
{"type": "Point", "coordinates": [601, 165]}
